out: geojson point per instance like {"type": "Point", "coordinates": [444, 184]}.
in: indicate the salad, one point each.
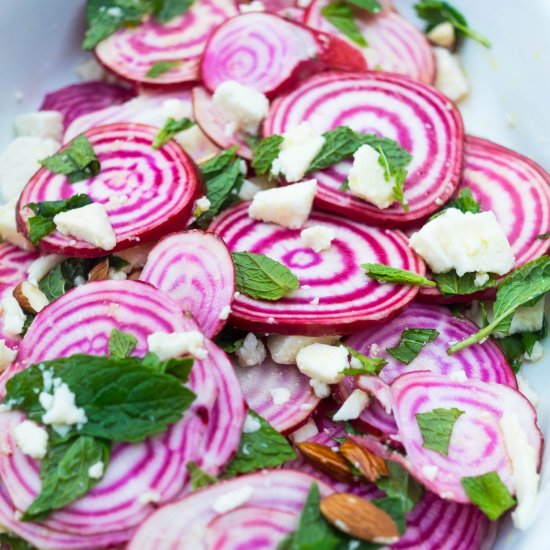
{"type": "Point", "coordinates": [260, 290]}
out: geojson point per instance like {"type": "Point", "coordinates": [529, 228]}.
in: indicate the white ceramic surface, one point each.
{"type": "Point", "coordinates": [40, 46]}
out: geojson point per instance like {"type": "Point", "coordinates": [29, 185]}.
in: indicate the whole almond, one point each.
{"type": "Point", "coordinates": [30, 298]}
{"type": "Point", "coordinates": [100, 271]}
{"type": "Point", "coordinates": [370, 465]}
{"type": "Point", "coordinates": [327, 461]}
{"type": "Point", "coordinates": [359, 518]}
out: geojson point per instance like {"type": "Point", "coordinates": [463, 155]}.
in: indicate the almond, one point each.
{"type": "Point", "coordinates": [100, 271]}
{"type": "Point", "coordinates": [370, 465]}
{"type": "Point", "coordinates": [135, 275]}
{"type": "Point", "coordinates": [327, 461]}
{"type": "Point", "coordinates": [30, 298]}
{"type": "Point", "coordinates": [359, 518]}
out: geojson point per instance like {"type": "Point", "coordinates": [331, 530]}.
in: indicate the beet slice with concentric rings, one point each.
{"type": "Point", "coordinates": [418, 117]}
{"type": "Point", "coordinates": [146, 192]}
{"type": "Point", "coordinates": [270, 53]}
{"type": "Point", "coordinates": [394, 44]}
{"type": "Point", "coordinates": [131, 52]}
{"type": "Point", "coordinates": [80, 99]}
{"type": "Point", "coordinates": [195, 269]}
{"type": "Point", "coordinates": [336, 296]}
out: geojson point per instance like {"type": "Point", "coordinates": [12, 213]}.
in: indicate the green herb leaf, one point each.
{"type": "Point", "coordinates": [489, 494]}
{"type": "Point", "coordinates": [264, 448]}
{"type": "Point", "coordinates": [436, 428]}
{"type": "Point", "coordinates": [450, 284]}
{"type": "Point", "coordinates": [166, 10]}
{"type": "Point", "coordinates": [199, 478]}
{"type": "Point", "coordinates": [14, 542]}
{"type": "Point", "coordinates": [62, 277]}
{"type": "Point", "coordinates": [260, 277]}
{"type": "Point", "coordinates": [397, 173]}
{"type": "Point", "coordinates": [411, 343]}
{"type": "Point", "coordinates": [393, 506]}
{"type": "Point", "coordinates": [230, 339]}
{"type": "Point", "coordinates": [121, 344]}
{"type": "Point", "coordinates": [399, 484]}
{"type": "Point", "coordinates": [544, 236]}
{"type": "Point", "coordinates": [161, 67]}
{"type": "Point", "coordinates": [341, 16]}
{"type": "Point", "coordinates": [388, 274]}
{"type": "Point", "coordinates": [265, 153]}
{"type": "Point", "coordinates": [465, 202]}
{"type": "Point", "coordinates": [170, 129]}
{"type": "Point", "coordinates": [372, 6]}
{"type": "Point", "coordinates": [368, 364]}
{"type": "Point", "coordinates": [29, 318]}
{"type": "Point", "coordinates": [64, 474]}
{"type": "Point", "coordinates": [40, 227]}
{"type": "Point", "coordinates": [436, 12]}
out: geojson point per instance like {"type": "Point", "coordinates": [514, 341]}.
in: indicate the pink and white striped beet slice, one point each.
{"type": "Point", "coordinates": [147, 192]}
{"type": "Point", "coordinates": [334, 278]}
{"type": "Point", "coordinates": [418, 117]}
{"type": "Point", "coordinates": [196, 270]}
{"type": "Point", "coordinates": [394, 44]}
{"type": "Point", "coordinates": [80, 99]}
{"type": "Point", "coordinates": [258, 382]}
{"type": "Point", "coordinates": [271, 53]}
{"type": "Point", "coordinates": [277, 490]}
{"type": "Point", "coordinates": [476, 445]}
{"type": "Point", "coordinates": [131, 52]}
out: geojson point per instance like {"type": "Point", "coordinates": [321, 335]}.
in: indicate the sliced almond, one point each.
{"type": "Point", "coordinates": [134, 276]}
{"type": "Point", "coordinates": [359, 518]}
{"type": "Point", "coordinates": [327, 461]}
{"type": "Point", "coordinates": [30, 298]}
{"type": "Point", "coordinates": [100, 271]}
{"type": "Point", "coordinates": [370, 465]}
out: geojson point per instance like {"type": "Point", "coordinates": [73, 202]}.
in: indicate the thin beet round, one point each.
{"type": "Point", "coordinates": [347, 298]}
{"type": "Point", "coordinates": [147, 192]}
{"type": "Point", "coordinates": [418, 117]}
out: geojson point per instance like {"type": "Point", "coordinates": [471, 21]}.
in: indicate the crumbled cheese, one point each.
{"type": "Point", "coordinates": [116, 275]}
{"type": "Point", "coordinates": [8, 226]}
{"type": "Point", "coordinates": [40, 124]}
{"type": "Point", "coordinates": [374, 350]}
{"type": "Point", "coordinates": [195, 143]}
{"type": "Point", "coordinates": [90, 223]}
{"type": "Point", "coordinates": [20, 161]}
{"type": "Point", "coordinates": [234, 499]}
{"type": "Point", "coordinates": [528, 319]}
{"type": "Point", "coordinates": [308, 430]}
{"type": "Point", "coordinates": [465, 242]}
{"type": "Point", "coordinates": [458, 376]}
{"type": "Point", "coordinates": [224, 313]}
{"type": "Point", "coordinates": [527, 390]}
{"type": "Point", "coordinates": [430, 471]}
{"type": "Point", "coordinates": [536, 353]}
{"type": "Point", "coordinates": [284, 349]}
{"type": "Point", "coordinates": [61, 410]}
{"type": "Point", "coordinates": [168, 345]}
{"type": "Point", "coordinates": [481, 278]}
{"type": "Point", "coordinates": [42, 266]}
{"type": "Point", "coordinates": [251, 352]}
{"type": "Point", "coordinates": [300, 146]}
{"type": "Point", "coordinates": [449, 77]}
{"type": "Point", "coordinates": [201, 205]}
{"type": "Point", "coordinates": [280, 396]}
{"type": "Point", "coordinates": [248, 190]}
{"type": "Point", "coordinates": [242, 106]}
{"type": "Point", "coordinates": [13, 316]}
{"type": "Point", "coordinates": [320, 389]}
{"type": "Point", "coordinates": [251, 424]}
{"type": "Point", "coordinates": [287, 206]}
{"type": "Point", "coordinates": [149, 497]}
{"type": "Point", "coordinates": [524, 464]}
{"type": "Point", "coordinates": [31, 438]}
{"type": "Point", "coordinates": [442, 35]}
{"type": "Point", "coordinates": [317, 237]}
{"type": "Point", "coordinates": [89, 70]}
{"type": "Point", "coordinates": [7, 355]}
{"type": "Point", "coordinates": [176, 108]}
{"type": "Point", "coordinates": [367, 178]}
{"type": "Point", "coordinates": [95, 471]}
{"type": "Point", "coordinates": [255, 5]}
{"type": "Point", "coordinates": [352, 407]}
{"type": "Point", "coordinates": [322, 362]}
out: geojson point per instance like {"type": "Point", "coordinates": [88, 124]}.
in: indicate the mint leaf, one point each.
{"type": "Point", "coordinates": [450, 284]}
{"type": "Point", "coordinates": [265, 152]}
{"type": "Point", "coordinates": [121, 344]}
{"type": "Point", "coordinates": [372, 6]}
{"type": "Point", "coordinates": [489, 494]}
{"type": "Point", "coordinates": [399, 484]}
{"type": "Point", "coordinates": [393, 506]}
{"type": "Point", "coordinates": [62, 277]}
{"type": "Point", "coordinates": [29, 318]}
{"type": "Point", "coordinates": [388, 274]}
{"type": "Point", "coordinates": [368, 364]}
{"type": "Point", "coordinates": [77, 160]}
{"type": "Point", "coordinates": [166, 10]}
{"type": "Point", "coordinates": [53, 284]}
{"type": "Point", "coordinates": [465, 202]}
{"type": "Point", "coordinates": [199, 478]}
{"type": "Point", "coordinates": [264, 448]}
{"type": "Point", "coordinates": [14, 542]}
{"type": "Point", "coordinates": [123, 399]}
{"type": "Point", "coordinates": [39, 227]}
{"type": "Point", "coordinates": [436, 428]}
{"type": "Point", "coordinates": [180, 368]}
{"type": "Point", "coordinates": [260, 277]}
{"type": "Point", "coordinates": [341, 17]}
{"type": "Point", "coordinates": [161, 67]}
{"type": "Point", "coordinates": [397, 173]}
{"type": "Point", "coordinates": [436, 12]}
{"type": "Point", "coordinates": [170, 129]}
{"type": "Point", "coordinates": [64, 475]}
{"type": "Point", "coordinates": [411, 343]}
{"type": "Point", "coordinates": [230, 339]}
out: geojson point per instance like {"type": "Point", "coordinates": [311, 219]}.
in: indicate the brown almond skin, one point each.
{"type": "Point", "coordinates": [359, 518]}
{"type": "Point", "coordinates": [99, 272]}
{"type": "Point", "coordinates": [22, 300]}
{"type": "Point", "coordinates": [370, 465]}
{"type": "Point", "coordinates": [327, 461]}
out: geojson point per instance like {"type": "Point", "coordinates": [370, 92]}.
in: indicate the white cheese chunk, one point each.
{"type": "Point", "coordinates": [528, 319]}
{"type": "Point", "coordinates": [523, 461]}
{"type": "Point", "coordinates": [202, 204]}
{"type": "Point", "coordinates": [449, 76]}
{"type": "Point", "coordinates": [300, 146]}
{"type": "Point", "coordinates": [95, 471]}
{"type": "Point", "coordinates": [536, 353]}
{"type": "Point", "coordinates": [90, 223]}
{"type": "Point", "coordinates": [90, 69]}
{"type": "Point", "coordinates": [320, 389]}
{"type": "Point", "coordinates": [251, 352]}
{"type": "Point", "coordinates": [317, 237]}
{"type": "Point", "coordinates": [242, 106]}
{"type": "Point", "coordinates": [61, 410]}
{"type": "Point", "coordinates": [249, 189]}
{"type": "Point", "coordinates": [40, 124]}
{"type": "Point", "coordinates": [279, 396]}
{"type": "Point", "coordinates": [7, 355]}
{"type": "Point", "coordinates": [8, 226]}
{"type": "Point", "coordinates": [42, 266]}
{"type": "Point", "coordinates": [195, 143]}
{"type": "Point", "coordinates": [233, 499]}
{"type": "Point", "coordinates": [20, 161]}
{"type": "Point", "coordinates": [251, 424]}
{"type": "Point", "coordinates": [31, 438]}
{"type": "Point", "coordinates": [284, 349]}
{"type": "Point", "coordinates": [13, 316]}
{"type": "Point", "coordinates": [322, 362]}
{"type": "Point", "coordinates": [442, 35]}
{"type": "Point", "coordinates": [352, 407]}
{"type": "Point", "coordinates": [116, 275]}
{"type": "Point", "coordinates": [465, 242]}
{"type": "Point", "coordinates": [308, 430]}
{"type": "Point", "coordinates": [367, 178]}
{"type": "Point", "coordinates": [149, 497]}
{"type": "Point", "coordinates": [168, 345]}
{"type": "Point", "coordinates": [287, 206]}
{"type": "Point", "coordinates": [224, 313]}
{"type": "Point", "coordinates": [176, 108]}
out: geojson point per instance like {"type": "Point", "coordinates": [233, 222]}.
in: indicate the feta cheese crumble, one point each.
{"type": "Point", "coordinates": [61, 410]}
{"type": "Point", "coordinates": [251, 424]}
{"type": "Point", "coordinates": [536, 353]}
{"type": "Point", "coordinates": [201, 205]}
{"type": "Point", "coordinates": [40, 124]}
{"type": "Point", "coordinates": [352, 407]}
{"type": "Point", "coordinates": [8, 226]}
{"type": "Point", "coordinates": [251, 352]}
{"type": "Point", "coordinates": [42, 266]}
{"type": "Point", "coordinates": [308, 430]}
{"type": "Point", "coordinates": [442, 35]}
{"type": "Point", "coordinates": [465, 242]}
{"type": "Point", "coordinates": [7, 355]}
{"type": "Point", "coordinates": [168, 345]}
{"type": "Point", "coordinates": [234, 499]}
{"type": "Point", "coordinates": [300, 146]}
{"type": "Point", "coordinates": [95, 471]}
{"type": "Point", "coordinates": [224, 313]}
{"type": "Point", "coordinates": [280, 396]}
{"type": "Point", "coordinates": [287, 206]}
{"type": "Point", "coordinates": [317, 237]}
{"type": "Point", "coordinates": [320, 389]}
{"type": "Point", "coordinates": [31, 438]}
{"type": "Point", "coordinates": [449, 76]}
{"type": "Point", "coordinates": [322, 362]}
{"type": "Point", "coordinates": [528, 318]}
{"type": "Point", "coordinates": [13, 316]}
{"type": "Point", "coordinates": [284, 349]}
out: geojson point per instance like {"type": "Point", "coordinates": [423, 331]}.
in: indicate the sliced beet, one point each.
{"type": "Point", "coordinates": [394, 44]}
{"type": "Point", "coordinates": [347, 299]}
{"type": "Point", "coordinates": [418, 117]}
{"type": "Point", "coordinates": [196, 270]}
{"type": "Point", "coordinates": [80, 99]}
{"type": "Point", "coordinates": [131, 52]}
{"type": "Point", "coordinates": [147, 192]}
{"type": "Point", "coordinates": [271, 53]}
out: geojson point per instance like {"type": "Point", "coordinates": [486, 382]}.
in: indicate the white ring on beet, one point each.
{"type": "Point", "coordinates": [418, 117]}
